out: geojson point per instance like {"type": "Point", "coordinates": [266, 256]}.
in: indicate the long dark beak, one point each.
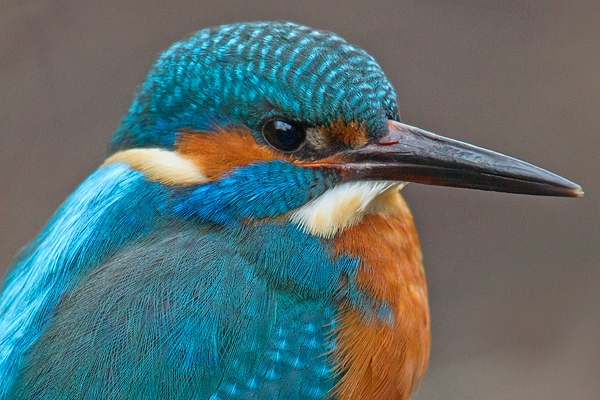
{"type": "Point", "coordinates": [411, 154]}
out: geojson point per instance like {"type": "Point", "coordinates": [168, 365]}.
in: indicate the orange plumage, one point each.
{"type": "Point", "coordinates": [384, 361]}
{"type": "Point", "coordinates": [216, 153]}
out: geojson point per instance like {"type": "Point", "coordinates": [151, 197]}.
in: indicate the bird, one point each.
{"type": "Point", "coordinates": [245, 237]}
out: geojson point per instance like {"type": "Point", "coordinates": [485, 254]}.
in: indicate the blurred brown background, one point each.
{"type": "Point", "coordinates": [514, 280]}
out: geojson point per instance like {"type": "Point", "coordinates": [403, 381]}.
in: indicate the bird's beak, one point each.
{"type": "Point", "coordinates": [411, 154]}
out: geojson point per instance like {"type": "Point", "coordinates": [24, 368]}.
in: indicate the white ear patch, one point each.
{"type": "Point", "coordinates": [345, 205]}
{"type": "Point", "coordinates": [160, 165]}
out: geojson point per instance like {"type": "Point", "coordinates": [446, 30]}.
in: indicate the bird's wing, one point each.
{"type": "Point", "coordinates": [112, 207]}
{"type": "Point", "coordinates": [164, 318]}
{"type": "Point", "coordinates": [118, 299]}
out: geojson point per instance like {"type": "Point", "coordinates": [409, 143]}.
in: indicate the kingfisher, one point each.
{"type": "Point", "coordinates": [245, 238]}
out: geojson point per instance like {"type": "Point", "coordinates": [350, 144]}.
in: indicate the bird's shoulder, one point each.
{"type": "Point", "coordinates": [177, 307]}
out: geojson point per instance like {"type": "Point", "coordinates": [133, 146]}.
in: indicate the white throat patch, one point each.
{"type": "Point", "coordinates": [345, 205]}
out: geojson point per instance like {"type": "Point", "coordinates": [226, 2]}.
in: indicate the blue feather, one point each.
{"type": "Point", "coordinates": [266, 189]}
{"type": "Point", "coordinates": [81, 234]}
{"type": "Point", "coordinates": [186, 312]}
{"type": "Point", "coordinates": [225, 310]}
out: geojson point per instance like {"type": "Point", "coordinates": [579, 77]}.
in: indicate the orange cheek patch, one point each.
{"type": "Point", "coordinates": [384, 361]}
{"type": "Point", "coordinates": [216, 153]}
{"type": "Point", "coordinates": [352, 134]}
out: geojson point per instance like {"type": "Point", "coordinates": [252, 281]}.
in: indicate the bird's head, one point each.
{"type": "Point", "coordinates": [260, 119]}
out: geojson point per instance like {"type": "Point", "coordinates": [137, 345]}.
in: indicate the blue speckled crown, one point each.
{"type": "Point", "coordinates": [246, 72]}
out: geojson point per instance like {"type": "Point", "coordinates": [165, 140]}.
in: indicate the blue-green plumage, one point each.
{"type": "Point", "coordinates": [80, 236]}
{"type": "Point", "coordinates": [244, 73]}
{"type": "Point", "coordinates": [185, 314]}
{"type": "Point", "coordinates": [260, 190]}
{"type": "Point", "coordinates": [172, 309]}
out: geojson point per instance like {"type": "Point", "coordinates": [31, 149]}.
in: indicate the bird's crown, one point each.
{"type": "Point", "coordinates": [252, 73]}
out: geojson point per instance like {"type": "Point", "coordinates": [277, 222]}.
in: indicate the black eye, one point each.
{"type": "Point", "coordinates": [284, 135]}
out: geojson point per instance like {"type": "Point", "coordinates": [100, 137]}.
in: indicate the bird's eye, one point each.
{"type": "Point", "coordinates": [284, 135]}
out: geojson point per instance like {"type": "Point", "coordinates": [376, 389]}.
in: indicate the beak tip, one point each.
{"type": "Point", "coordinates": [568, 188]}
{"type": "Point", "coordinates": [577, 191]}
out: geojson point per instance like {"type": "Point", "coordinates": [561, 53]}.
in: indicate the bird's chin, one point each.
{"type": "Point", "coordinates": [346, 204]}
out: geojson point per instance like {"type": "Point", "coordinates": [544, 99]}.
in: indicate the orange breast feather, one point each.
{"type": "Point", "coordinates": [380, 360]}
